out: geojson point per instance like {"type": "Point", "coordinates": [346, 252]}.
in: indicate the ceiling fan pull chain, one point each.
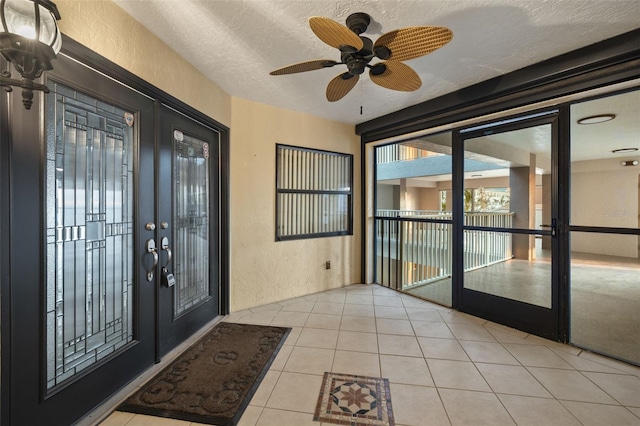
{"type": "Point", "coordinates": [361, 97]}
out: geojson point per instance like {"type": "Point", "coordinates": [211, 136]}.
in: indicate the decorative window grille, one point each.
{"type": "Point", "coordinates": [314, 193]}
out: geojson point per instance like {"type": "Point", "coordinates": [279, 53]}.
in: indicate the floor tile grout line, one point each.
{"type": "Point", "coordinates": [600, 387]}
{"type": "Point", "coordinates": [459, 342]}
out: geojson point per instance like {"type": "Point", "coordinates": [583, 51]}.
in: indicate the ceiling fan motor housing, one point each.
{"type": "Point", "coordinates": [357, 61]}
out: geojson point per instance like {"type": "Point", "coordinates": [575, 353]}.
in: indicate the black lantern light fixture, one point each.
{"type": "Point", "coordinates": [30, 40]}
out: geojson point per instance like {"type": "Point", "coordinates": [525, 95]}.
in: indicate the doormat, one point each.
{"type": "Point", "coordinates": [212, 381]}
{"type": "Point", "coordinates": [346, 399]}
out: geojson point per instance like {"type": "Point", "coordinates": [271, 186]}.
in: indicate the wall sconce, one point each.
{"type": "Point", "coordinates": [30, 40]}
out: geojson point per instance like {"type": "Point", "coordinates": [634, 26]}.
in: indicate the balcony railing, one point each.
{"type": "Point", "coordinates": [413, 247]}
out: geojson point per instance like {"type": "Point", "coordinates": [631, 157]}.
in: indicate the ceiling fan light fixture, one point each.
{"type": "Point", "coordinates": [624, 150]}
{"type": "Point", "coordinates": [595, 119]}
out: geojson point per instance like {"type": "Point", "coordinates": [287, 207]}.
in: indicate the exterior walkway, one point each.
{"type": "Point", "coordinates": [444, 367]}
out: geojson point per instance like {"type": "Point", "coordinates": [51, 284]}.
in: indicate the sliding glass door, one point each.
{"type": "Point", "coordinates": [604, 225]}
{"type": "Point", "coordinates": [509, 223]}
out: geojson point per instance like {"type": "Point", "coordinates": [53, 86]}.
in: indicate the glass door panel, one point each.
{"type": "Point", "coordinates": [191, 222]}
{"type": "Point", "coordinates": [605, 297]}
{"type": "Point", "coordinates": [507, 180]}
{"type": "Point", "coordinates": [90, 240]}
{"type": "Point", "coordinates": [508, 224]}
{"type": "Point", "coordinates": [413, 217]}
{"type": "Point", "coordinates": [604, 226]}
{"type": "Point", "coordinates": [188, 234]}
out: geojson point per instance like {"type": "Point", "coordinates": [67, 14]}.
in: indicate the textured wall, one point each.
{"type": "Point", "coordinates": [263, 270]}
{"type": "Point", "coordinates": [106, 29]}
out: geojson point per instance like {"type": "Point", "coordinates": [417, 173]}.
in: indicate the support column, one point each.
{"type": "Point", "coordinates": [403, 194]}
{"type": "Point", "coordinates": [522, 181]}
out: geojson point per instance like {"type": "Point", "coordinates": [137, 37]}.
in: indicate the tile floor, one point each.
{"type": "Point", "coordinates": [444, 367]}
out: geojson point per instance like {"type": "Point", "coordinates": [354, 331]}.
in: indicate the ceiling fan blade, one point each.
{"type": "Point", "coordinates": [340, 86]}
{"type": "Point", "coordinates": [305, 66]}
{"type": "Point", "coordinates": [333, 33]}
{"type": "Point", "coordinates": [395, 76]}
{"type": "Point", "coordinates": [413, 42]}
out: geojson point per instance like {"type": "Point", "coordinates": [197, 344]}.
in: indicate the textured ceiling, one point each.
{"type": "Point", "coordinates": [236, 43]}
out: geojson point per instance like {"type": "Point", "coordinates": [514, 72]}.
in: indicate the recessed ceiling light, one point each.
{"type": "Point", "coordinates": [624, 150]}
{"type": "Point", "coordinates": [594, 119]}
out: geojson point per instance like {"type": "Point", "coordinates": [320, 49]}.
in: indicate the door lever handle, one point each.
{"type": "Point", "coordinates": [553, 227]}
{"type": "Point", "coordinates": [151, 248]}
{"type": "Point", "coordinates": [165, 246]}
{"type": "Point", "coordinates": [167, 277]}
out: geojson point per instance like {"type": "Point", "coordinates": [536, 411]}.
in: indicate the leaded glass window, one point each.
{"type": "Point", "coordinates": [191, 222]}
{"type": "Point", "coordinates": [89, 231]}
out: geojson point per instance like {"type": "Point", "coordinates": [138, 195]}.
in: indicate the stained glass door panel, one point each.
{"type": "Point", "coordinates": [191, 222]}
{"type": "Point", "coordinates": [189, 226]}
{"type": "Point", "coordinates": [90, 233]}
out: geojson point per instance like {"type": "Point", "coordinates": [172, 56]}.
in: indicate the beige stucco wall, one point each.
{"type": "Point", "coordinates": [262, 269]}
{"type": "Point", "coordinates": [105, 28]}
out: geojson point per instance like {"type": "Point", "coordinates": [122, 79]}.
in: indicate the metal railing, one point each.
{"type": "Point", "coordinates": [413, 248]}
{"type": "Point", "coordinates": [483, 248]}
{"type": "Point", "coordinates": [425, 214]}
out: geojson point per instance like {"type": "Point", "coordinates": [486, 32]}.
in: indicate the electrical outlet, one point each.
{"type": "Point", "coordinates": [327, 264]}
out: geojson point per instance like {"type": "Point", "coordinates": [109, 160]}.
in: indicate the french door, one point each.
{"type": "Point", "coordinates": [113, 242]}
{"type": "Point", "coordinates": [509, 227]}
{"type": "Point", "coordinates": [188, 234]}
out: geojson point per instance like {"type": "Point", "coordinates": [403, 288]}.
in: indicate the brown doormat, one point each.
{"type": "Point", "coordinates": [212, 381]}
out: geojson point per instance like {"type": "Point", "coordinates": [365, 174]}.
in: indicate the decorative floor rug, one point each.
{"type": "Point", "coordinates": [212, 381]}
{"type": "Point", "coordinates": [346, 399]}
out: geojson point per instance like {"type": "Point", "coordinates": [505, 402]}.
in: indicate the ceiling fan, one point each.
{"type": "Point", "coordinates": [356, 52]}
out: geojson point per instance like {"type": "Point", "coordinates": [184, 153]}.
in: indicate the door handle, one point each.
{"type": "Point", "coordinates": [167, 277]}
{"type": "Point", "coordinates": [165, 246]}
{"type": "Point", "coordinates": [553, 227]}
{"type": "Point", "coordinates": [151, 248]}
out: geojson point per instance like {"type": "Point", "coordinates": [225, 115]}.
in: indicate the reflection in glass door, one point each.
{"type": "Point", "coordinates": [604, 226]}
{"type": "Point", "coordinates": [508, 224]}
